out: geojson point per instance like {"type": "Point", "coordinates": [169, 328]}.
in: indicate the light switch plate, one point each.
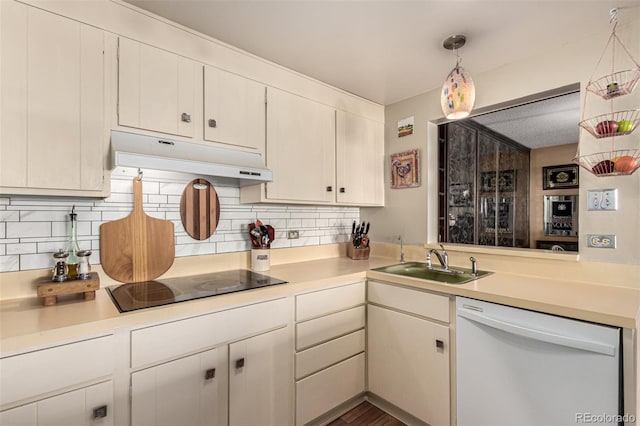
{"type": "Point", "coordinates": [601, 241]}
{"type": "Point", "coordinates": [603, 199]}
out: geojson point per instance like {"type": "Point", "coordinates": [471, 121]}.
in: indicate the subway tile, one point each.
{"type": "Point", "coordinates": [9, 215]}
{"type": "Point", "coordinates": [294, 223]}
{"type": "Point", "coordinates": [228, 192]}
{"type": "Point", "coordinates": [3, 230]}
{"type": "Point", "coordinates": [195, 249]}
{"type": "Point", "coordinates": [35, 261]}
{"type": "Point", "coordinates": [171, 188]}
{"type": "Point", "coordinates": [4, 201]}
{"type": "Point", "coordinates": [51, 246]}
{"type": "Point", "coordinates": [157, 199]}
{"type": "Point", "coordinates": [308, 223]}
{"type": "Point", "coordinates": [119, 198]}
{"type": "Point", "coordinates": [306, 241]}
{"type": "Point", "coordinates": [231, 246]}
{"type": "Point", "coordinates": [173, 199]}
{"type": "Point", "coordinates": [3, 249]}
{"type": "Point", "coordinates": [22, 248]}
{"type": "Point", "coordinates": [28, 229]}
{"type": "Point", "coordinates": [9, 263]}
{"type": "Point", "coordinates": [108, 216]}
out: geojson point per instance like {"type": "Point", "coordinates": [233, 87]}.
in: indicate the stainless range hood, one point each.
{"type": "Point", "coordinates": [150, 152]}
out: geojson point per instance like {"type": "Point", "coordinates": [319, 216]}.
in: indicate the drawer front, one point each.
{"type": "Point", "coordinates": [417, 302]}
{"type": "Point", "coordinates": [319, 393]}
{"type": "Point", "coordinates": [154, 344]}
{"type": "Point", "coordinates": [325, 328]}
{"type": "Point", "coordinates": [318, 357]}
{"type": "Point", "coordinates": [312, 305]}
{"type": "Point", "coordinates": [34, 373]}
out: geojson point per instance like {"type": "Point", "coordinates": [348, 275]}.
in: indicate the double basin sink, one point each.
{"type": "Point", "coordinates": [452, 275]}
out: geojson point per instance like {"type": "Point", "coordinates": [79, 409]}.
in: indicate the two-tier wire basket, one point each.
{"type": "Point", "coordinates": [607, 128]}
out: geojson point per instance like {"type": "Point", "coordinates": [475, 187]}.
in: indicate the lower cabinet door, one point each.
{"type": "Point", "coordinates": [189, 391]}
{"type": "Point", "coordinates": [260, 380]}
{"type": "Point", "coordinates": [326, 389]}
{"type": "Point", "coordinates": [89, 406]}
{"type": "Point", "coordinates": [408, 364]}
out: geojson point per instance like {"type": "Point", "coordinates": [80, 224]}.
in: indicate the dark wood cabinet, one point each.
{"type": "Point", "coordinates": [485, 196]}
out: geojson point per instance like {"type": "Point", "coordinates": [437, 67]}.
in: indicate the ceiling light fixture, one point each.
{"type": "Point", "coordinates": [458, 92]}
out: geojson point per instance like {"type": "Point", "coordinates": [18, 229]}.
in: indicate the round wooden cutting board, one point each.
{"type": "Point", "coordinates": [199, 209]}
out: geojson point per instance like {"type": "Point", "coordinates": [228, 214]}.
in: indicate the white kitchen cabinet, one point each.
{"type": "Point", "coordinates": [190, 391]}
{"type": "Point", "coordinates": [89, 406]}
{"type": "Point", "coordinates": [359, 160]}
{"type": "Point", "coordinates": [409, 360]}
{"type": "Point", "coordinates": [234, 109]}
{"type": "Point", "coordinates": [260, 380]}
{"type": "Point", "coordinates": [330, 345]}
{"type": "Point", "coordinates": [158, 90]}
{"type": "Point", "coordinates": [300, 150]}
{"type": "Point", "coordinates": [52, 108]}
{"type": "Point", "coordinates": [251, 355]}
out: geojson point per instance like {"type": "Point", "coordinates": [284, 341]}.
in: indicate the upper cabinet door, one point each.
{"type": "Point", "coordinates": [234, 109]}
{"type": "Point", "coordinates": [52, 133]}
{"type": "Point", "coordinates": [359, 160]}
{"type": "Point", "coordinates": [300, 148]}
{"type": "Point", "coordinates": [157, 89]}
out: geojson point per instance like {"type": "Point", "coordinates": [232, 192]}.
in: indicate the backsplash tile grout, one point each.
{"type": "Point", "coordinates": [33, 228]}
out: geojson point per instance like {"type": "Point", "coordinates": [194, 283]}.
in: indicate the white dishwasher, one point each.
{"type": "Point", "coordinates": [518, 367]}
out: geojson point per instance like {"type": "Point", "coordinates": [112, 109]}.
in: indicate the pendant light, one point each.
{"type": "Point", "coordinates": [458, 92]}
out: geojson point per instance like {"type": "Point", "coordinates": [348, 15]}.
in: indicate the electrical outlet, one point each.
{"type": "Point", "coordinates": [601, 241]}
{"type": "Point", "coordinates": [605, 199]}
{"type": "Point", "coordinates": [293, 235]}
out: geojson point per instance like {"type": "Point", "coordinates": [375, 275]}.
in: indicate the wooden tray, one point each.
{"type": "Point", "coordinates": [49, 290]}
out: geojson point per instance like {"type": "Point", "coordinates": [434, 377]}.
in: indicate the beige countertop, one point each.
{"type": "Point", "coordinates": [25, 324]}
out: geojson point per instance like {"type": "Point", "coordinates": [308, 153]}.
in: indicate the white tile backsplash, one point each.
{"type": "Point", "coordinates": [33, 228]}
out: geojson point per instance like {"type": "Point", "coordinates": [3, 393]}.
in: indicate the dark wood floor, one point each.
{"type": "Point", "coordinates": [366, 414]}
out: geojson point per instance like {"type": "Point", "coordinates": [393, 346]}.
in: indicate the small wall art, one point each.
{"type": "Point", "coordinates": [560, 177]}
{"type": "Point", "coordinates": [405, 169]}
{"type": "Point", "coordinates": [405, 127]}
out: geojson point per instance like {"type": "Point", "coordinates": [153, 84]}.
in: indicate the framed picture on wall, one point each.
{"type": "Point", "coordinates": [405, 169]}
{"type": "Point", "coordinates": [560, 177]}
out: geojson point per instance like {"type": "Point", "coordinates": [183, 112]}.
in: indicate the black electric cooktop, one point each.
{"type": "Point", "coordinates": [132, 296]}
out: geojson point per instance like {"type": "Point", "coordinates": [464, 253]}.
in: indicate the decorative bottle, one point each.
{"type": "Point", "coordinates": [72, 246]}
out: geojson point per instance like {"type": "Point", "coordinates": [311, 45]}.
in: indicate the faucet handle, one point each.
{"type": "Point", "coordinates": [474, 266]}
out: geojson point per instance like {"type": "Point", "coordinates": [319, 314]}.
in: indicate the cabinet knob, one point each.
{"type": "Point", "coordinates": [186, 117]}
{"type": "Point", "coordinates": [100, 412]}
{"type": "Point", "coordinates": [212, 122]}
{"type": "Point", "coordinates": [210, 374]}
{"type": "Point", "coordinates": [329, 188]}
{"type": "Point", "coordinates": [342, 190]}
{"type": "Point", "coordinates": [439, 344]}
{"type": "Point", "coordinates": [240, 363]}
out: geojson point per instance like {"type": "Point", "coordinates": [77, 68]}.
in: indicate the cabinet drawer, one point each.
{"type": "Point", "coordinates": [326, 354]}
{"type": "Point", "coordinates": [43, 371]}
{"type": "Point", "coordinates": [174, 339]}
{"type": "Point", "coordinates": [324, 302]}
{"type": "Point", "coordinates": [417, 302]}
{"type": "Point", "coordinates": [319, 393]}
{"type": "Point", "coordinates": [325, 328]}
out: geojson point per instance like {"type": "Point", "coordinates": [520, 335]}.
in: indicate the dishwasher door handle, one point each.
{"type": "Point", "coordinates": [544, 336]}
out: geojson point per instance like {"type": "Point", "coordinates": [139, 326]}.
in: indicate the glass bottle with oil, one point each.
{"type": "Point", "coordinates": [72, 246]}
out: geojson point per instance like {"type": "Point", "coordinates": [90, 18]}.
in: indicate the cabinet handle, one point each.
{"type": "Point", "coordinates": [186, 117]}
{"type": "Point", "coordinates": [100, 412]}
{"type": "Point", "coordinates": [210, 374]}
{"type": "Point", "coordinates": [240, 363]}
{"type": "Point", "coordinates": [212, 122]}
{"type": "Point", "coordinates": [329, 188]}
{"type": "Point", "coordinates": [342, 190]}
{"type": "Point", "coordinates": [439, 344]}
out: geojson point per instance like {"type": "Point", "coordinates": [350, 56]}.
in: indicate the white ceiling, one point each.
{"type": "Point", "coordinates": [391, 50]}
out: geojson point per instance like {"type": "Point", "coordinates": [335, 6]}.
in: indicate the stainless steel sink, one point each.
{"type": "Point", "coordinates": [453, 275]}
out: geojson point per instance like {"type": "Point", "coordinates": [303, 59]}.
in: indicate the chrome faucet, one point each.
{"type": "Point", "coordinates": [401, 249]}
{"type": "Point", "coordinates": [442, 258]}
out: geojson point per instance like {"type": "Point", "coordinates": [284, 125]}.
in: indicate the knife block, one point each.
{"type": "Point", "coordinates": [361, 253]}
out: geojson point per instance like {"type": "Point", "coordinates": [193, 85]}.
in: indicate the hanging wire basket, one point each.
{"type": "Point", "coordinates": [612, 124]}
{"type": "Point", "coordinates": [616, 84]}
{"type": "Point", "coordinates": [611, 163]}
